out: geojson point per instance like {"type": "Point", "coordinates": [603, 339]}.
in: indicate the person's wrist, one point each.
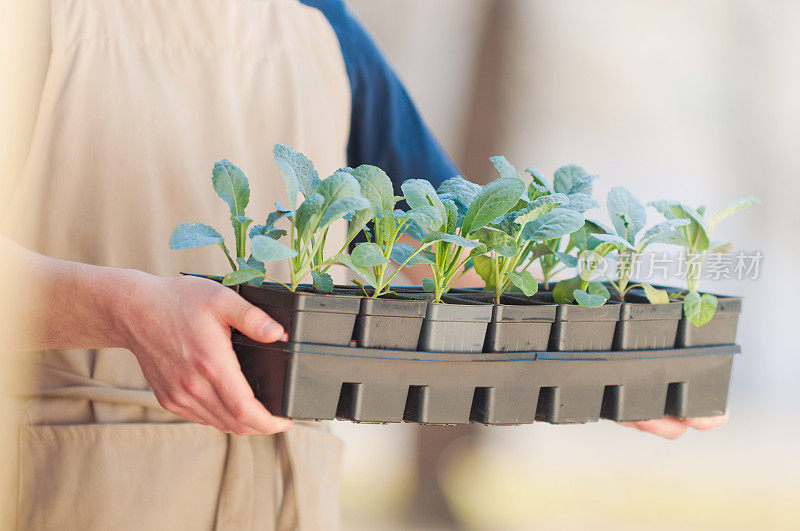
{"type": "Point", "coordinates": [122, 293]}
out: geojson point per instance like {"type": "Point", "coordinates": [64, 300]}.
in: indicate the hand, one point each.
{"type": "Point", "coordinates": [672, 428]}
{"type": "Point", "coordinates": [179, 329]}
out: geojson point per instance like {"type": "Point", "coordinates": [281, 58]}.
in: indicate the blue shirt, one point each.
{"type": "Point", "coordinates": [385, 128]}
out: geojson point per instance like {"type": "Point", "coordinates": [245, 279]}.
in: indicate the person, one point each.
{"type": "Point", "coordinates": [136, 415]}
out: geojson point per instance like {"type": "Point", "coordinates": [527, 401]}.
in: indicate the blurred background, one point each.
{"type": "Point", "coordinates": [696, 101]}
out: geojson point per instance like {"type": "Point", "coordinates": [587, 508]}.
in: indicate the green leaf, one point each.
{"type": "Point", "coordinates": [504, 168]}
{"type": "Point", "coordinates": [241, 276]}
{"type": "Point", "coordinates": [563, 292]}
{"type": "Point", "coordinates": [699, 309]}
{"type": "Point", "coordinates": [567, 259]}
{"type": "Point", "coordinates": [582, 239]}
{"type": "Point", "coordinates": [428, 285]}
{"type": "Point", "coordinates": [364, 272]}
{"type": "Point", "coordinates": [618, 242]}
{"type": "Point", "coordinates": [402, 251]}
{"type": "Point", "coordinates": [571, 179]}
{"type": "Point", "coordinates": [266, 249]}
{"type": "Point", "coordinates": [413, 229]}
{"type": "Point", "coordinates": [694, 236]}
{"type": "Point", "coordinates": [191, 235]}
{"type": "Point", "coordinates": [368, 255]}
{"type": "Point", "coordinates": [420, 193]}
{"type": "Point", "coordinates": [597, 288]}
{"type": "Point", "coordinates": [426, 216]}
{"type": "Point", "coordinates": [322, 282]}
{"type": "Point", "coordinates": [524, 281]}
{"type": "Point", "coordinates": [589, 300]}
{"type": "Point", "coordinates": [496, 199]}
{"type": "Point", "coordinates": [339, 185]}
{"type": "Point", "coordinates": [540, 180]}
{"type": "Point", "coordinates": [655, 295]}
{"type": "Point", "coordinates": [435, 236]}
{"type": "Point", "coordinates": [308, 214]}
{"type": "Point", "coordinates": [627, 213]}
{"type": "Point", "coordinates": [536, 209]}
{"type": "Point", "coordinates": [552, 225]}
{"type": "Point", "coordinates": [484, 266]}
{"type": "Point", "coordinates": [342, 206]}
{"type": "Point", "coordinates": [728, 211]}
{"type": "Point", "coordinates": [496, 240]}
{"type": "Point", "coordinates": [298, 172]}
{"type": "Point", "coordinates": [375, 187]}
{"type": "Point", "coordinates": [581, 202]}
{"type": "Point", "coordinates": [231, 185]}
{"type": "Point", "coordinates": [460, 189]}
{"type": "Point", "coordinates": [358, 221]}
{"type": "Point", "coordinates": [658, 230]}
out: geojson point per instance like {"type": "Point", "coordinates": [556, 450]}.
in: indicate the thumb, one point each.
{"type": "Point", "coordinates": [251, 320]}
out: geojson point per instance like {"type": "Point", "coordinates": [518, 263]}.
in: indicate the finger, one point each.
{"type": "Point", "coordinates": [250, 320]}
{"type": "Point", "coordinates": [707, 423]}
{"type": "Point", "coordinates": [668, 427]}
{"type": "Point", "coordinates": [237, 396]}
{"type": "Point", "coordinates": [198, 394]}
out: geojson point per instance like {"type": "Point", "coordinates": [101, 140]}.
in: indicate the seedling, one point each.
{"type": "Point", "coordinates": [232, 186]}
{"type": "Point", "coordinates": [325, 201]}
{"type": "Point", "coordinates": [628, 216]}
{"type": "Point", "coordinates": [508, 239]}
{"type": "Point", "coordinates": [695, 238]}
{"type": "Point", "coordinates": [370, 260]}
{"type": "Point", "coordinates": [576, 183]}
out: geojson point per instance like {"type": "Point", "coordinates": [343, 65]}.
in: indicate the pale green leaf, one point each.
{"type": "Point", "coordinates": [655, 295]}
{"type": "Point", "coordinates": [459, 189]}
{"type": "Point", "coordinates": [699, 309]}
{"type": "Point", "coordinates": [403, 251]}
{"type": "Point", "coordinates": [231, 185]}
{"type": "Point", "coordinates": [375, 187]}
{"type": "Point", "coordinates": [627, 213]}
{"type": "Point", "coordinates": [435, 236]}
{"type": "Point", "coordinates": [589, 300]}
{"type": "Point", "coordinates": [419, 193]}
{"type": "Point", "coordinates": [265, 249]}
{"type": "Point", "coordinates": [368, 255]}
{"type": "Point", "coordinates": [191, 235]}
{"type": "Point", "coordinates": [525, 281]}
{"type": "Point", "coordinates": [322, 282]}
{"type": "Point", "coordinates": [298, 172]}
{"type": "Point", "coordinates": [495, 200]}
{"type": "Point", "coordinates": [552, 225]}
{"type": "Point", "coordinates": [728, 211]}
{"type": "Point", "coordinates": [241, 276]}
{"type": "Point", "coordinates": [504, 168]}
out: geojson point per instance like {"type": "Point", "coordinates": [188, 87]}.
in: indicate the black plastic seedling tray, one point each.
{"type": "Point", "coordinates": [317, 382]}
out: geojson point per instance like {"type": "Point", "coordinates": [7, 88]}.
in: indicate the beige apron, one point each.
{"type": "Point", "coordinates": [141, 97]}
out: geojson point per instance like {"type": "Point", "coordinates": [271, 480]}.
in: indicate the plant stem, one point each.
{"type": "Point", "coordinates": [228, 256]}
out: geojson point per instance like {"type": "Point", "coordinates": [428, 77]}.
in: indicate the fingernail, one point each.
{"type": "Point", "coordinates": [271, 329]}
{"type": "Point", "coordinates": [284, 338]}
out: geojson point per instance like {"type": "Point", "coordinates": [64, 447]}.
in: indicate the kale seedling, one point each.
{"type": "Point", "coordinates": [231, 184]}
{"type": "Point", "coordinates": [370, 260]}
{"type": "Point", "coordinates": [628, 216]}
{"type": "Point", "coordinates": [695, 238]}
{"type": "Point", "coordinates": [576, 183]}
{"type": "Point", "coordinates": [464, 208]}
{"type": "Point", "coordinates": [508, 239]}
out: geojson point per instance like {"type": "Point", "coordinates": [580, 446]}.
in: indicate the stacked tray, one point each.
{"type": "Point", "coordinates": [395, 360]}
{"type": "Point", "coordinates": [316, 382]}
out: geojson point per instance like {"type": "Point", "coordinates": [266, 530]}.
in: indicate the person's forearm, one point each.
{"type": "Point", "coordinates": [56, 304]}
